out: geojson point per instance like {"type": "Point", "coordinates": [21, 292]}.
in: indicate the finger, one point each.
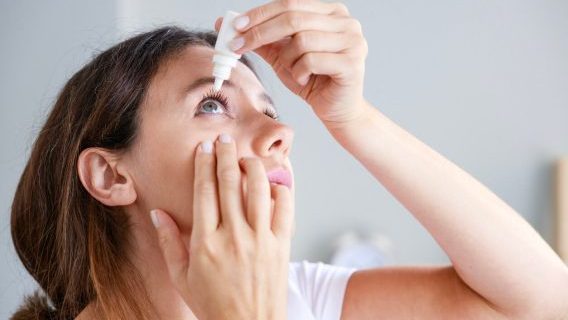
{"type": "Point", "coordinates": [218, 23]}
{"type": "Point", "coordinates": [270, 10]}
{"type": "Point", "coordinates": [206, 215]}
{"type": "Point", "coordinates": [174, 251]}
{"type": "Point", "coordinates": [283, 216]}
{"type": "Point", "coordinates": [270, 54]}
{"type": "Point", "coordinates": [258, 194]}
{"type": "Point", "coordinates": [313, 41]}
{"type": "Point", "coordinates": [289, 23]}
{"type": "Point", "coordinates": [229, 179]}
{"type": "Point", "coordinates": [323, 63]}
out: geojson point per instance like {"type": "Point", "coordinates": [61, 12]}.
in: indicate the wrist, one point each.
{"type": "Point", "coordinates": [353, 122]}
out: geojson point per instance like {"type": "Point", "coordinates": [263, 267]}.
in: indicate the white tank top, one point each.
{"type": "Point", "coordinates": [316, 290]}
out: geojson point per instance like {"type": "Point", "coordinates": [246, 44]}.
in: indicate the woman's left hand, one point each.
{"type": "Point", "coordinates": [317, 50]}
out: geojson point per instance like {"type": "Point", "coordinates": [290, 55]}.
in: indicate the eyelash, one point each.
{"type": "Point", "coordinates": [224, 100]}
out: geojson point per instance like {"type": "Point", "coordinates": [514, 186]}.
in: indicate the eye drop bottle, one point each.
{"type": "Point", "coordinates": [224, 59]}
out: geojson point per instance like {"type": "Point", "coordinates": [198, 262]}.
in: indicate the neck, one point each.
{"type": "Point", "coordinates": [147, 258]}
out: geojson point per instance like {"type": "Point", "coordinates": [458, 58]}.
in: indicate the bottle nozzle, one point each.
{"type": "Point", "coordinates": [224, 58]}
{"type": "Point", "coordinates": [218, 83]}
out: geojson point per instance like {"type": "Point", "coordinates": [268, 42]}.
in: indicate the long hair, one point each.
{"type": "Point", "coordinates": [73, 245]}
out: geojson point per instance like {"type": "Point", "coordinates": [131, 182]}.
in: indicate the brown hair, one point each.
{"type": "Point", "coordinates": [73, 245]}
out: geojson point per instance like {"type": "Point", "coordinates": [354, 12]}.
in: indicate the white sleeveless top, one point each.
{"type": "Point", "coordinates": [316, 290]}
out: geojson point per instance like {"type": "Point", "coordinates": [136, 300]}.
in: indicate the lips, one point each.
{"type": "Point", "coordinates": [280, 176]}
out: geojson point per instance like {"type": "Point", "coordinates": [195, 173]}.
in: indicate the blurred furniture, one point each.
{"type": "Point", "coordinates": [362, 250]}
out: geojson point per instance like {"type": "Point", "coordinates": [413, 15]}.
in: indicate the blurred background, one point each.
{"type": "Point", "coordinates": [485, 83]}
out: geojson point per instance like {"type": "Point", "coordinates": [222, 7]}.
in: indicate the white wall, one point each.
{"type": "Point", "coordinates": [485, 83]}
{"type": "Point", "coordinates": [42, 44]}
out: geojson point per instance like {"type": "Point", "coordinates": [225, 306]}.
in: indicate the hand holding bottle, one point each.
{"type": "Point", "coordinates": [317, 50]}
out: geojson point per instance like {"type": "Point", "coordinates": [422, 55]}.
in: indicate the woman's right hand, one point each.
{"type": "Point", "coordinates": [236, 265]}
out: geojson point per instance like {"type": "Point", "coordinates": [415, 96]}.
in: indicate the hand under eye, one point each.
{"type": "Point", "coordinates": [236, 266]}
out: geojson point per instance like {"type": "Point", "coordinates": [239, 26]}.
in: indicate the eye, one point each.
{"type": "Point", "coordinates": [213, 101]}
{"type": "Point", "coordinates": [211, 106]}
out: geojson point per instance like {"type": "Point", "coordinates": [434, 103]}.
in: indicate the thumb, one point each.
{"type": "Point", "coordinates": [173, 249]}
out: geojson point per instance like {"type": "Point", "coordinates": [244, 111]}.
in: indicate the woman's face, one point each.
{"type": "Point", "coordinates": [176, 117]}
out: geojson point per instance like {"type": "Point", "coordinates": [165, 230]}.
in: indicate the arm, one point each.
{"type": "Point", "coordinates": [500, 264]}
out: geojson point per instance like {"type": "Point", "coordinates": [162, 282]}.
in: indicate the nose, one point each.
{"type": "Point", "coordinates": [275, 140]}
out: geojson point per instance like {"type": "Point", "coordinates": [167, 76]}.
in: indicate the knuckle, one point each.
{"type": "Point", "coordinates": [290, 4]}
{"type": "Point", "coordinates": [205, 186]}
{"type": "Point", "coordinates": [355, 25]}
{"type": "Point", "coordinates": [262, 237]}
{"type": "Point", "coordinates": [203, 161]}
{"type": "Point", "coordinates": [359, 52]}
{"type": "Point", "coordinates": [365, 46]}
{"type": "Point", "coordinates": [204, 249]}
{"type": "Point", "coordinates": [164, 240]}
{"type": "Point", "coordinates": [240, 247]}
{"type": "Point", "coordinates": [294, 20]}
{"type": "Point", "coordinates": [259, 14]}
{"type": "Point", "coordinates": [228, 175]}
{"type": "Point", "coordinates": [255, 34]}
{"type": "Point", "coordinates": [353, 59]}
{"type": "Point", "coordinates": [308, 60]}
{"type": "Point", "coordinates": [341, 8]}
{"type": "Point", "coordinates": [301, 41]}
{"type": "Point", "coordinates": [258, 189]}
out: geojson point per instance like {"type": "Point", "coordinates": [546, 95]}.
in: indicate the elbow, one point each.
{"type": "Point", "coordinates": [561, 309]}
{"type": "Point", "coordinates": [546, 298]}
{"type": "Point", "coordinates": [559, 298]}
{"type": "Point", "coordinates": [552, 301]}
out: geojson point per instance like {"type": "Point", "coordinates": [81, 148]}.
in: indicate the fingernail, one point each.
{"type": "Point", "coordinates": [225, 138]}
{"type": "Point", "coordinates": [241, 22]}
{"type": "Point", "coordinates": [207, 146]}
{"type": "Point", "coordinates": [154, 217]}
{"type": "Point", "coordinates": [304, 81]}
{"type": "Point", "coordinates": [236, 43]}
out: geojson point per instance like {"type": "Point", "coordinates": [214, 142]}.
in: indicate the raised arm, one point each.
{"type": "Point", "coordinates": [500, 265]}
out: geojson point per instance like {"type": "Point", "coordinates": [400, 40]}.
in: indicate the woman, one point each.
{"type": "Point", "coordinates": [138, 130]}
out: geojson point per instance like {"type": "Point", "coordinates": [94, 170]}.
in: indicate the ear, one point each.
{"type": "Point", "coordinates": [105, 178]}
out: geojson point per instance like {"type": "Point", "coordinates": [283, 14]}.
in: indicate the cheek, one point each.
{"type": "Point", "coordinates": [164, 178]}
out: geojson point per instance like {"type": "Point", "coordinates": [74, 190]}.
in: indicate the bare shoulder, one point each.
{"type": "Point", "coordinates": [425, 292]}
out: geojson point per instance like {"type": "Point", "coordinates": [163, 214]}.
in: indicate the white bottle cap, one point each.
{"type": "Point", "coordinates": [225, 59]}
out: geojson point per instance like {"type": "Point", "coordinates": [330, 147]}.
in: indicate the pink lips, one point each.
{"type": "Point", "coordinates": [280, 176]}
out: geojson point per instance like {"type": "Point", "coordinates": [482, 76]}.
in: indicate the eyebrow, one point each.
{"type": "Point", "coordinates": [211, 80]}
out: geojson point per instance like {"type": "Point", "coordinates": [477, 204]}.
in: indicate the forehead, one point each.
{"type": "Point", "coordinates": [196, 62]}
